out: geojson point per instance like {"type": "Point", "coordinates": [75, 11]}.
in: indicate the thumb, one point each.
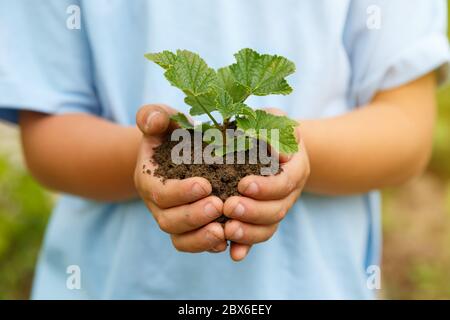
{"type": "Point", "coordinates": [154, 119]}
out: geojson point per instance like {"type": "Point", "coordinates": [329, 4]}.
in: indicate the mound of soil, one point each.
{"type": "Point", "coordinates": [224, 178]}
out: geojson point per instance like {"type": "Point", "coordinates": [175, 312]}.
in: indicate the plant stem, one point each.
{"type": "Point", "coordinates": [216, 124]}
{"type": "Point", "coordinates": [226, 122]}
{"type": "Point", "coordinates": [224, 130]}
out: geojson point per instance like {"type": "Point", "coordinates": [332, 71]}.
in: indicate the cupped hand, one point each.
{"type": "Point", "coordinates": [182, 208]}
{"type": "Point", "coordinates": [264, 202]}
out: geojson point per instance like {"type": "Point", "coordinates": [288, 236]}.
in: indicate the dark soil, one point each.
{"type": "Point", "coordinates": [224, 178]}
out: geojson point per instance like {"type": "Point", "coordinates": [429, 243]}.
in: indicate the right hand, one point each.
{"type": "Point", "coordinates": [183, 208]}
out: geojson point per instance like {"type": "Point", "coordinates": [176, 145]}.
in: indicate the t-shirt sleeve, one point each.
{"type": "Point", "coordinates": [44, 65]}
{"type": "Point", "coordinates": [392, 42]}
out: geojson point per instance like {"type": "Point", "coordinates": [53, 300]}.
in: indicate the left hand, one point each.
{"type": "Point", "coordinates": [254, 217]}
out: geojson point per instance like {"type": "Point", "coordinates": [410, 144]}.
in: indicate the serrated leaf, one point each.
{"type": "Point", "coordinates": [164, 59]}
{"type": "Point", "coordinates": [204, 126]}
{"type": "Point", "coordinates": [182, 120]}
{"type": "Point", "coordinates": [226, 81]}
{"type": "Point", "coordinates": [202, 103]}
{"type": "Point", "coordinates": [224, 103]}
{"type": "Point", "coordinates": [227, 108]}
{"type": "Point", "coordinates": [262, 74]}
{"type": "Point", "coordinates": [191, 74]}
{"type": "Point", "coordinates": [254, 127]}
{"type": "Point", "coordinates": [244, 110]}
{"type": "Point", "coordinates": [184, 123]}
{"type": "Point", "coordinates": [226, 90]}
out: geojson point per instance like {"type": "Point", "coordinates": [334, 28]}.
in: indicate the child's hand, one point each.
{"type": "Point", "coordinates": [182, 208]}
{"type": "Point", "coordinates": [265, 202]}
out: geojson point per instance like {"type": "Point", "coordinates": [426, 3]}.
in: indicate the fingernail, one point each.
{"type": "Point", "coordinates": [238, 210]}
{"type": "Point", "coordinates": [198, 190]}
{"type": "Point", "coordinates": [211, 211]}
{"type": "Point", "coordinates": [150, 118]}
{"type": "Point", "coordinates": [238, 234]}
{"type": "Point", "coordinates": [252, 189]}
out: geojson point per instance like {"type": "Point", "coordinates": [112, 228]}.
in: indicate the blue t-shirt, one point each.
{"type": "Point", "coordinates": [345, 51]}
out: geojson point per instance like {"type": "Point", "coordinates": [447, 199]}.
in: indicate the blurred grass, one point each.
{"type": "Point", "coordinates": [24, 209]}
{"type": "Point", "coordinates": [416, 222]}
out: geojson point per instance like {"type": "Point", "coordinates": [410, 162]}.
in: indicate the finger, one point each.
{"type": "Point", "coordinates": [254, 211]}
{"type": "Point", "coordinates": [204, 239]}
{"type": "Point", "coordinates": [278, 186]}
{"type": "Point", "coordinates": [154, 119]}
{"type": "Point", "coordinates": [188, 217]}
{"type": "Point", "coordinates": [245, 233]}
{"type": "Point", "coordinates": [273, 187]}
{"type": "Point", "coordinates": [268, 187]}
{"type": "Point", "coordinates": [238, 251]}
{"type": "Point", "coordinates": [173, 192]}
{"type": "Point", "coordinates": [282, 158]}
{"type": "Point", "coordinates": [221, 247]}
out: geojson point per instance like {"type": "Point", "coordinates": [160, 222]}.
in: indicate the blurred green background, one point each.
{"type": "Point", "coordinates": [416, 221]}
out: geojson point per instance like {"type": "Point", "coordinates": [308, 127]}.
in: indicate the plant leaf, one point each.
{"type": "Point", "coordinates": [184, 123]}
{"type": "Point", "coordinates": [204, 126]}
{"type": "Point", "coordinates": [262, 74]}
{"type": "Point", "coordinates": [164, 59]}
{"type": "Point", "coordinates": [253, 127]}
{"type": "Point", "coordinates": [226, 90]}
{"type": "Point", "coordinates": [227, 108]}
{"type": "Point", "coordinates": [182, 120]}
{"type": "Point", "coordinates": [200, 103]}
{"type": "Point", "coordinates": [224, 103]}
{"type": "Point", "coordinates": [190, 73]}
{"type": "Point", "coordinates": [244, 110]}
{"type": "Point", "coordinates": [226, 81]}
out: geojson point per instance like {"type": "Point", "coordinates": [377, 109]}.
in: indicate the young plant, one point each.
{"type": "Point", "coordinates": [226, 90]}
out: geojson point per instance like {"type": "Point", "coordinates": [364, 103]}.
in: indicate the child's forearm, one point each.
{"type": "Point", "coordinates": [81, 154]}
{"type": "Point", "coordinates": [379, 145]}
